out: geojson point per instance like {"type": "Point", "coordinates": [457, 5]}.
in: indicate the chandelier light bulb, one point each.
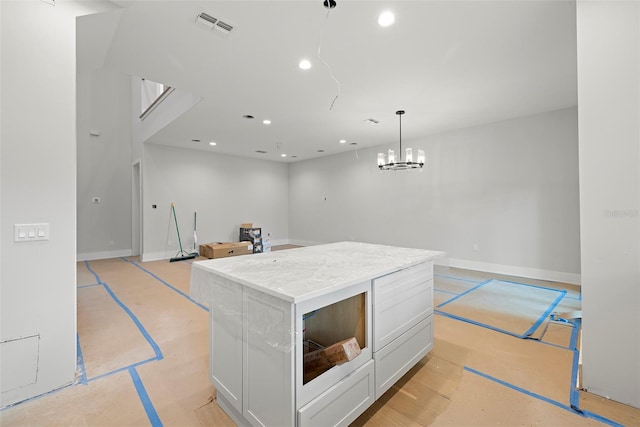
{"type": "Point", "coordinates": [392, 156]}
{"type": "Point", "coordinates": [408, 155]}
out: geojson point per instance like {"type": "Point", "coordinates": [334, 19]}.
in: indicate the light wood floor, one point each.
{"type": "Point", "coordinates": [143, 360]}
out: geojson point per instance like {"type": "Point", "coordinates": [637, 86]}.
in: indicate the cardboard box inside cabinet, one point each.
{"type": "Point", "coordinates": [318, 361]}
{"type": "Point", "coordinates": [225, 249]}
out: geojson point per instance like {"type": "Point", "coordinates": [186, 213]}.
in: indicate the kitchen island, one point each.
{"type": "Point", "coordinates": [267, 310]}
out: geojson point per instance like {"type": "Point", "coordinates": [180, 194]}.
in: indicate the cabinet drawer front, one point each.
{"type": "Point", "coordinates": [424, 270]}
{"type": "Point", "coordinates": [393, 361]}
{"type": "Point", "coordinates": [400, 301]}
{"type": "Point", "coordinates": [342, 403]}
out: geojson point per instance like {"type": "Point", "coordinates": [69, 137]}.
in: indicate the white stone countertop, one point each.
{"type": "Point", "coordinates": [296, 275]}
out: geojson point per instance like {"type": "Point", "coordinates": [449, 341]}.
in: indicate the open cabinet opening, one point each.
{"type": "Point", "coordinates": [333, 335]}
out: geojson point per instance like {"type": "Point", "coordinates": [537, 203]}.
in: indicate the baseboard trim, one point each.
{"type": "Point", "coordinates": [278, 242]}
{"type": "Point", "coordinates": [154, 256]}
{"type": "Point", "coordinates": [302, 242]}
{"type": "Point", "coordinates": [512, 270]}
{"type": "Point", "coordinates": [158, 256]}
{"type": "Point", "coordinates": [91, 256]}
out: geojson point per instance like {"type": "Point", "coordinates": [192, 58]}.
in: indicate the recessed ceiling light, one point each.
{"type": "Point", "coordinates": [283, 155]}
{"type": "Point", "coordinates": [320, 151]}
{"type": "Point", "coordinates": [247, 116]}
{"type": "Point", "coordinates": [261, 151]}
{"type": "Point", "coordinates": [266, 121]}
{"type": "Point", "coordinates": [212, 143]}
{"type": "Point", "coordinates": [386, 18]}
{"type": "Point", "coordinates": [353, 143]}
{"type": "Point", "coordinates": [372, 121]}
{"type": "Point", "coordinates": [294, 157]}
{"type": "Point", "coordinates": [343, 141]}
{"type": "Point", "coordinates": [304, 64]}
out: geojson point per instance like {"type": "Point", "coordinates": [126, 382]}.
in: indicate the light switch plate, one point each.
{"type": "Point", "coordinates": [30, 232]}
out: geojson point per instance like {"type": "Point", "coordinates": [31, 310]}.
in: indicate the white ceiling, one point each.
{"type": "Point", "coordinates": [449, 64]}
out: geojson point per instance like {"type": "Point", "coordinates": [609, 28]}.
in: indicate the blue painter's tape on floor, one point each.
{"type": "Point", "coordinates": [533, 286]}
{"type": "Point", "coordinates": [516, 388]}
{"type": "Point", "coordinates": [124, 368]}
{"type": "Point", "coordinates": [89, 286]}
{"type": "Point", "coordinates": [166, 284]}
{"type": "Point", "coordinates": [442, 276]}
{"type": "Point", "coordinates": [141, 328]}
{"type": "Point", "coordinates": [86, 263]}
{"type": "Point", "coordinates": [154, 419]}
{"type": "Point", "coordinates": [445, 292]}
{"type": "Point", "coordinates": [574, 398]}
{"type": "Point", "coordinates": [80, 362]}
{"type": "Point", "coordinates": [546, 313]}
{"type": "Point", "coordinates": [481, 284]}
{"type": "Point", "coordinates": [585, 414]}
{"type": "Point", "coordinates": [143, 331]}
{"type": "Point", "coordinates": [473, 322]}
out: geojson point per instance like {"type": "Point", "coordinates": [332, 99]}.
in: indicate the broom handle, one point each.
{"type": "Point", "coordinates": [173, 209]}
{"type": "Point", "coordinates": [195, 236]}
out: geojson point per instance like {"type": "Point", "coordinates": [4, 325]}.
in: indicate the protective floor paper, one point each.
{"type": "Point", "coordinates": [514, 308]}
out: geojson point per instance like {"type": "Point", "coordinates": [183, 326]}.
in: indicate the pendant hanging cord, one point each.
{"type": "Point", "coordinates": [325, 62]}
{"type": "Point", "coordinates": [400, 113]}
{"type": "Point", "coordinates": [400, 154]}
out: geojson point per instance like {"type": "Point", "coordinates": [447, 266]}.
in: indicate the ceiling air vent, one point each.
{"type": "Point", "coordinates": [214, 23]}
{"type": "Point", "coordinates": [206, 19]}
{"type": "Point", "coordinates": [224, 27]}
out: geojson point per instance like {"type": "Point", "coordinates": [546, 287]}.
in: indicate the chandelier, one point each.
{"type": "Point", "coordinates": [397, 164]}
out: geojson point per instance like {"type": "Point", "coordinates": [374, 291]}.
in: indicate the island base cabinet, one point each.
{"type": "Point", "coordinates": [226, 341]}
{"type": "Point", "coordinates": [342, 403]}
{"type": "Point", "coordinates": [397, 357]}
{"type": "Point", "coordinates": [267, 311]}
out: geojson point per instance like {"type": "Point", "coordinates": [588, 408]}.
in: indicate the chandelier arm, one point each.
{"type": "Point", "coordinates": [400, 154]}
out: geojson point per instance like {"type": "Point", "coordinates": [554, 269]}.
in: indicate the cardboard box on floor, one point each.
{"type": "Point", "coordinates": [225, 249]}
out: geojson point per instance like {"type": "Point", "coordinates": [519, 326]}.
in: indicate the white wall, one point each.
{"type": "Point", "coordinates": [104, 164]}
{"type": "Point", "coordinates": [224, 190]}
{"type": "Point", "coordinates": [609, 105]}
{"type": "Point", "coordinates": [38, 184]}
{"type": "Point", "coordinates": [509, 187]}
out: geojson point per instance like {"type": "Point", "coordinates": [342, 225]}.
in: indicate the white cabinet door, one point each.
{"type": "Point", "coordinates": [226, 340]}
{"type": "Point", "coordinates": [268, 396]}
{"type": "Point", "coordinates": [395, 360]}
{"type": "Point", "coordinates": [400, 301]}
